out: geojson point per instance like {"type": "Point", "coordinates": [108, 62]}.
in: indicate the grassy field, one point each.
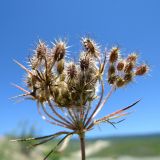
{"type": "Point", "coordinates": [138, 146]}
{"type": "Point", "coordinates": [132, 146]}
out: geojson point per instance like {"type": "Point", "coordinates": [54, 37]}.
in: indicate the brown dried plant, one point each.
{"type": "Point", "coordinates": [65, 90]}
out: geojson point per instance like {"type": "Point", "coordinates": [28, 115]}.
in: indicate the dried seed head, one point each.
{"type": "Point", "coordinates": [114, 54]}
{"type": "Point", "coordinates": [141, 70]}
{"type": "Point", "coordinates": [84, 62]}
{"type": "Point", "coordinates": [60, 66]}
{"type": "Point", "coordinates": [71, 71]}
{"type": "Point", "coordinates": [132, 58]}
{"type": "Point", "coordinates": [120, 65]}
{"type": "Point", "coordinates": [74, 85]}
{"type": "Point", "coordinates": [59, 50]}
{"type": "Point", "coordinates": [90, 46]}
{"type": "Point", "coordinates": [41, 50]}
{"type": "Point", "coordinates": [120, 82]}
{"type": "Point", "coordinates": [129, 67]}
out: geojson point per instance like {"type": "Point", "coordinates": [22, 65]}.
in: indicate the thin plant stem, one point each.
{"type": "Point", "coordinates": [82, 143]}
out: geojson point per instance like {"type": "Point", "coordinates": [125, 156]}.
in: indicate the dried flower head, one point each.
{"type": "Point", "coordinates": [69, 89]}
{"type": "Point", "coordinates": [122, 71]}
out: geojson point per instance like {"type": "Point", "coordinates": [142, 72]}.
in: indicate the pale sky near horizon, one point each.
{"type": "Point", "coordinates": [134, 25]}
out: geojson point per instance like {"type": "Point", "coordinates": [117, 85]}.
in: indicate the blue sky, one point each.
{"type": "Point", "coordinates": [134, 25]}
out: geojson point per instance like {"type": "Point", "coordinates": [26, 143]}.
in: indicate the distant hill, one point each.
{"type": "Point", "coordinates": [151, 135]}
{"type": "Point", "coordinates": [131, 145]}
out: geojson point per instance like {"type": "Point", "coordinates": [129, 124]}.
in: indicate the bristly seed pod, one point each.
{"type": "Point", "coordinates": [41, 50]}
{"type": "Point", "coordinates": [132, 58]}
{"type": "Point", "coordinates": [141, 70]}
{"type": "Point", "coordinates": [84, 62]}
{"type": "Point", "coordinates": [72, 71]}
{"type": "Point", "coordinates": [120, 82]}
{"type": "Point", "coordinates": [59, 50]}
{"type": "Point", "coordinates": [90, 46]}
{"type": "Point", "coordinates": [128, 67]}
{"type": "Point", "coordinates": [114, 53]}
{"type": "Point", "coordinates": [120, 65]}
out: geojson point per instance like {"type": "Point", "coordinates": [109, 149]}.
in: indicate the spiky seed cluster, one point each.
{"type": "Point", "coordinates": [67, 84]}
{"type": "Point", "coordinates": [122, 71]}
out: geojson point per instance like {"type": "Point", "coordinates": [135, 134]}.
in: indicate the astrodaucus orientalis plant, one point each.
{"type": "Point", "coordinates": [65, 90]}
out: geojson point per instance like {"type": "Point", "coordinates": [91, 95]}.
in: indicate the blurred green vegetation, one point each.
{"type": "Point", "coordinates": [135, 146]}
